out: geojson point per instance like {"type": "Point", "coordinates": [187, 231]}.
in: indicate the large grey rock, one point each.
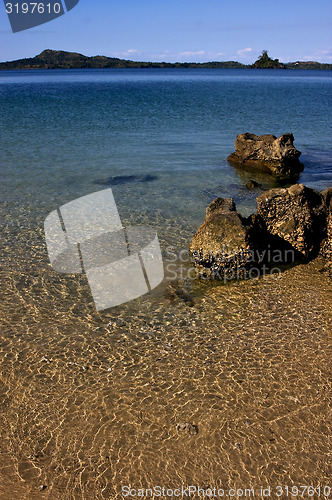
{"type": "Point", "coordinates": [295, 216]}
{"type": "Point", "coordinates": [222, 245]}
{"type": "Point", "coordinates": [277, 156]}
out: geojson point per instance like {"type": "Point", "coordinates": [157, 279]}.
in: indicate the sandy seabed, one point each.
{"type": "Point", "coordinates": [92, 402]}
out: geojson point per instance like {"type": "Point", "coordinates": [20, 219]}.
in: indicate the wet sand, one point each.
{"type": "Point", "coordinates": [91, 402]}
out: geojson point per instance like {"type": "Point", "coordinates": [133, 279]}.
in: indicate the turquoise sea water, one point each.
{"type": "Point", "coordinates": [160, 138]}
{"type": "Point", "coordinates": [93, 401]}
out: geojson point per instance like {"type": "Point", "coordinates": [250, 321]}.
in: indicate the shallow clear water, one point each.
{"type": "Point", "coordinates": [91, 401]}
{"type": "Point", "coordinates": [64, 133]}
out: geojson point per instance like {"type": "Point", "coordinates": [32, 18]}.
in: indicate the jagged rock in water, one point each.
{"type": "Point", "coordinates": [277, 156]}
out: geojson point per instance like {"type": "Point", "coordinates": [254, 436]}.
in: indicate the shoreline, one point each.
{"type": "Point", "coordinates": [52, 59]}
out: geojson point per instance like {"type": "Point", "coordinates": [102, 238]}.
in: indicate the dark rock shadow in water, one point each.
{"type": "Point", "coordinates": [124, 179]}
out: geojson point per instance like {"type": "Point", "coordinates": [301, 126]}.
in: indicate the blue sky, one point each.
{"type": "Point", "coordinates": [182, 30]}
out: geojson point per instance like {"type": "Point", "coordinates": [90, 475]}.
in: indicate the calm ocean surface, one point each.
{"type": "Point", "coordinates": [94, 401]}
{"type": "Point", "coordinates": [160, 138]}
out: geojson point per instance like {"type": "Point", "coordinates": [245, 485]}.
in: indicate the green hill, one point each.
{"type": "Point", "coordinates": [58, 59]}
{"type": "Point", "coordinates": [265, 62]}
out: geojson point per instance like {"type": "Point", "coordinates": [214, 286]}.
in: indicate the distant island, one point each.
{"type": "Point", "coordinates": [58, 59]}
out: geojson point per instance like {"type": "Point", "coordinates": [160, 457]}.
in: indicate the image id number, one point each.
{"type": "Point", "coordinates": [33, 8]}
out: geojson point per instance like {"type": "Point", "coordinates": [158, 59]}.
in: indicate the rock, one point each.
{"type": "Point", "coordinates": [327, 197]}
{"type": "Point", "coordinates": [252, 185]}
{"type": "Point", "coordinates": [186, 428]}
{"type": "Point", "coordinates": [291, 224]}
{"type": "Point", "coordinates": [174, 290]}
{"type": "Point", "coordinates": [293, 217]}
{"type": "Point", "coordinates": [326, 248]}
{"type": "Point", "coordinates": [275, 155]}
{"type": "Point", "coordinates": [223, 245]}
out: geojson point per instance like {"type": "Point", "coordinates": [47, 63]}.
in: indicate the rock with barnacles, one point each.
{"type": "Point", "coordinates": [224, 246]}
{"type": "Point", "coordinates": [275, 155]}
{"type": "Point", "coordinates": [293, 217]}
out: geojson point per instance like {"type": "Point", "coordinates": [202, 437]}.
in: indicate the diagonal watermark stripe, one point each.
{"type": "Point", "coordinates": [25, 15]}
{"type": "Point", "coordinates": [87, 235]}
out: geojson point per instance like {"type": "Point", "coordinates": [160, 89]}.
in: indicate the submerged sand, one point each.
{"type": "Point", "coordinates": [88, 408]}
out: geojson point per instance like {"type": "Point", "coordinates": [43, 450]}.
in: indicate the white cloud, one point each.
{"type": "Point", "coordinates": [125, 54]}
{"type": "Point", "coordinates": [192, 53]}
{"type": "Point", "coordinates": [185, 56]}
{"type": "Point", "coordinates": [243, 52]}
{"type": "Point", "coordinates": [323, 55]}
{"type": "Point", "coordinates": [170, 56]}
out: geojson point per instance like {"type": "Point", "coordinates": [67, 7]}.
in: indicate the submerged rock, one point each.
{"type": "Point", "coordinates": [187, 428]}
{"type": "Point", "coordinates": [252, 185]}
{"type": "Point", "coordinates": [295, 216]}
{"type": "Point", "coordinates": [277, 156]}
{"type": "Point", "coordinates": [174, 291]}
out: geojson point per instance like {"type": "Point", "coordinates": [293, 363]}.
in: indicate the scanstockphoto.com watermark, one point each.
{"type": "Point", "coordinates": [183, 492]}
{"type": "Point", "coordinates": [283, 491]}
{"type": "Point", "coordinates": [228, 265]}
